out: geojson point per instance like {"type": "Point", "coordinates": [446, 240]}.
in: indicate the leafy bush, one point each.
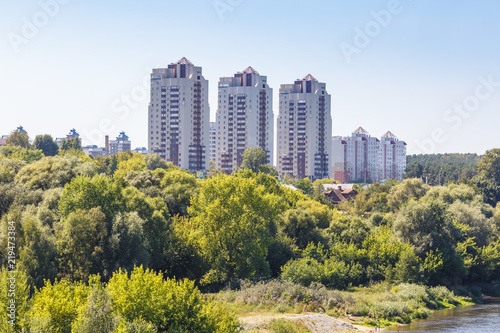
{"type": "Point", "coordinates": [168, 304]}
{"type": "Point", "coordinates": [274, 292]}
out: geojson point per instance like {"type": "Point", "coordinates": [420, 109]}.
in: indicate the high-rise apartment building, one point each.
{"type": "Point", "coordinates": [304, 129]}
{"type": "Point", "coordinates": [362, 157]}
{"type": "Point", "coordinates": [212, 141]}
{"type": "Point", "coordinates": [392, 157]}
{"type": "Point", "coordinates": [244, 118]}
{"type": "Point", "coordinates": [179, 115]}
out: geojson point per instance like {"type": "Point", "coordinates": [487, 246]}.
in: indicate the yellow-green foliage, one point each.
{"type": "Point", "coordinates": [13, 286]}
{"type": "Point", "coordinates": [56, 306]}
{"type": "Point", "coordinates": [168, 304]}
{"type": "Point", "coordinates": [135, 163]}
{"type": "Point", "coordinates": [233, 217]}
{"type": "Point", "coordinates": [20, 153]}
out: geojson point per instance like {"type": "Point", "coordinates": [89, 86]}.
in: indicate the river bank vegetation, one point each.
{"type": "Point", "coordinates": [130, 243]}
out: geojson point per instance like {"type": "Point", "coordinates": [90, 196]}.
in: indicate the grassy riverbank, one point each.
{"type": "Point", "coordinates": [276, 301]}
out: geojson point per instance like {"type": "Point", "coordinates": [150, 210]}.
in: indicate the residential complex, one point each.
{"type": "Point", "coordinates": [179, 116]}
{"type": "Point", "coordinates": [304, 130]}
{"type": "Point", "coordinates": [180, 131]}
{"type": "Point", "coordinates": [362, 157]}
{"type": "Point", "coordinates": [244, 118]}
{"type": "Point", "coordinates": [121, 144]}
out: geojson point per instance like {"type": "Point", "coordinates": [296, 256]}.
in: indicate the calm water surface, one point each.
{"type": "Point", "coordinates": [484, 318]}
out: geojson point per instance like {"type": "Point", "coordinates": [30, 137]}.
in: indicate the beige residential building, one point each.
{"type": "Point", "coordinates": [244, 118]}
{"type": "Point", "coordinates": [304, 130]}
{"type": "Point", "coordinates": [179, 115]}
{"type": "Point", "coordinates": [362, 157]}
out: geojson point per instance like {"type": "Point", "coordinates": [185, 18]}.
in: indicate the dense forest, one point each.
{"type": "Point", "coordinates": [129, 243]}
{"type": "Point", "coordinates": [433, 168]}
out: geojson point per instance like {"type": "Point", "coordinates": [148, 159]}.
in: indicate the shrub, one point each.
{"type": "Point", "coordinates": [168, 304]}
{"type": "Point", "coordinates": [275, 292]}
{"type": "Point", "coordinates": [413, 292]}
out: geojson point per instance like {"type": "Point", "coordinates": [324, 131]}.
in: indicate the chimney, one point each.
{"type": "Point", "coordinates": [106, 145]}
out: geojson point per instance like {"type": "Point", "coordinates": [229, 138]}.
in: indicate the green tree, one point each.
{"type": "Point", "coordinates": [253, 159]}
{"type": "Point", "coordinates": [97, 316]}
{"type": "Point", "coordinates": [299, 225]}
{"type": "Point", "coordinates": [406, 190]}
{"type": "Point", "coordinates": [179, 186]}
{"type": "Point", "coordinates": [154, 213]}
{"type": "Point", "coordinates": [184, 259]}
{"type": "Point", "coordinates": [233, 218]}
{"type": "Point", "coordinates": [38, 256]}
{"type": "Point", "coordinates": [127, 241]}
{"type": "Point", "coordinates": [19, 138]}
{"type": "Point", "coordinates": [489, 165]}
{"type": "Point", "coordinates": [46, 144]}
{"type": "Point", "coordinates": [154, 161]}
{"type": "Point", "coordinates": [20, 153]}
{"type": "Point", "coordinates": [9, 169]}
{"type": "Point", "coordinates": [21, 297]}
{"type": "Point", "coordinates": [56, 306]}
{"type": "Point", "coordinates": [409, 268]}
{"type": "Point", "coordinates": [302, 271]}
{"type": "Point", "coordinates": [426, 226]}
{"type": "Point", "coordinates": [71, 143]}
{"type": "Point", "coordinates": [53, 172]}
{"type": "Point", "coordinates": [81, 243]}
{"type": "Point", "coordinates": [305, 186]}
{"type": "Point", "coordinates": [489, 176]}
{"type": "Point", "coordinates": [86, 193]}
{"type": "Point", "coordinates": [136, 163]}
{"type": "Point", "coordinates": [146, 181]}
{"type": "Point", "coordinates": [348, 229]}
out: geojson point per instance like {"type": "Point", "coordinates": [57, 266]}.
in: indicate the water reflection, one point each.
{"type": "Point", "coordinates": [483, 318]}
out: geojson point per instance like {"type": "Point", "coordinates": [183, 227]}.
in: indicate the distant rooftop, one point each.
{"type": "Point", "coordinates": [389, 134]}
{"type": "Point", "coordinates": [184, 61]}
{"type": "Point", "coordinates": [309, 77]}
{"type": "Point", "coordinates": [122, 136]}
{"type": "Point", "coordinates": [72, 132]}
{"type": "Point", "coordinates": [250, 70]}
{"type": "Point", "coordinates": [360, 130]}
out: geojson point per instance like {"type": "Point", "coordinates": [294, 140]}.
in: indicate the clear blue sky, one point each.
{"type": "Point", "coordinates": [407, 76]}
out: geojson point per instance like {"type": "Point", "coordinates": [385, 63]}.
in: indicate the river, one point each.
{"type": "Point", "coordinates": [483, 318]}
